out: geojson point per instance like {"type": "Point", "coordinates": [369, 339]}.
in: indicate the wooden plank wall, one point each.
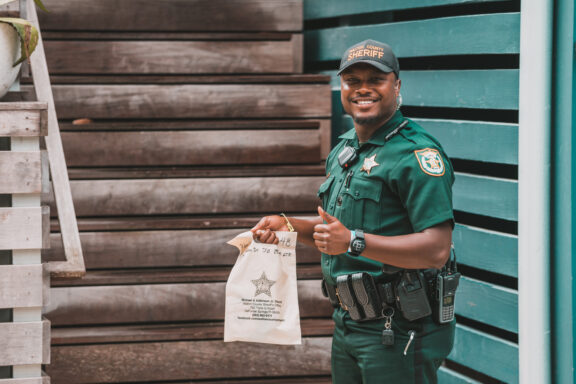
{"type": "Point", "coordinates": [183, 122]}
{"type": "Point", "coordinates": [24, 283]}
{"type": "Point", "coordinates": [459, 71]}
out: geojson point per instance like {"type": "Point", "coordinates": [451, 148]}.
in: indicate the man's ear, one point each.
{"type": "Point", "coordinates": [397, 86]}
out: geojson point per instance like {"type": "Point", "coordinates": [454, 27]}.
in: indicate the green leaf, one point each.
{"type": "Point", "coordinates": [37, 2]}
{"type": "Point", "coordinates": [40, 5]}
{"type": "Point", "coordinates": [27, 33]}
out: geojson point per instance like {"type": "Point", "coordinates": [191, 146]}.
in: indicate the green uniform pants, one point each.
{"type": "Point", "coordinates": [359, 357]}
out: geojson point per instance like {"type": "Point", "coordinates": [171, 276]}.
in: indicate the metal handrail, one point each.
{"type": "Point", "coordinates": [74, 266]}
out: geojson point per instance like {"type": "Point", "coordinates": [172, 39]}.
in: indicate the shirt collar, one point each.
{"type": "Point", "coordinates": [379, 137]}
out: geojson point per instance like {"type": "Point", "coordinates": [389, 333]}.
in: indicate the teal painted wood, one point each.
{"type": "Point", "coordinates": [486, 89]}
{"type": "Point", "coordinates": [487, 196]}
{"type": "Point", "coordinates": [480, 89]}
{"type": "Point", "coordinates": [447, 376]}
{"type": "Point", "coordinates": [321, 9]}
{"type": "Point", "coordinates": [488, 303]}
{"type": "Point", "coordinates": [489, 250]}
{"type": "Point", "coordinates": [460, 35]}
{"type": "Point", "coordinates": [485, 353]}
{"type": "Point", "coordinates": [492, 142]}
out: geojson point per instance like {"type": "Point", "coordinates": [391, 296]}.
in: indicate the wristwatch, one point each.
{"type": "Point", "coordinates": [357, 243]}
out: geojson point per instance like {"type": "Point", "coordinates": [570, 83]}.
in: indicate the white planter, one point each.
{"type": "Point", "coordinates": [9, 53]}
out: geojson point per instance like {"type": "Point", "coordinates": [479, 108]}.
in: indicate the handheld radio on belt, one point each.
{"type": "Point", "coordinates": [445, 291]}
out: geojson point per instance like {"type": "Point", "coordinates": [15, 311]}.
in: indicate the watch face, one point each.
{"type": "Point", "coordinates": [357, 245]}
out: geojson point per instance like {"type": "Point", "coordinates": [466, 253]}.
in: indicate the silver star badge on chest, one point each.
{"type": "Point", "coordinates": [369, 163]}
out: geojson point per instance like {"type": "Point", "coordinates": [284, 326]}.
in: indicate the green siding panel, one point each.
{"type": "Point", "coordinates": [488, 250]}
{"type": "Point", "coordinates": [487, 196]}
{"type": "Point", "coordinates": [493, 142]}
{"type": "Point", "coordinates": [480, 89]}
{"type": "Point", "coordinates": [488, 303]}
{"type": "Point", "coordinates": [485, 353]}
{"type": "Point", "coordinates": [321, 9]}
{"type": "Point", "coordinates": [460, 35]}
{"type": "Point", "coordinates": [447, 376]}
{"type": "Point", "coordinates": [489, 89]}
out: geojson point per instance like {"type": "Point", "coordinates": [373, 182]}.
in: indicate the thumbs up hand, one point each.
{"type": "Point", "coordinates": [332, 238]}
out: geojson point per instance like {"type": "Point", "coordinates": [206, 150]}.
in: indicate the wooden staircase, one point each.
{"type": "Point", "coordinates": [183, 122]}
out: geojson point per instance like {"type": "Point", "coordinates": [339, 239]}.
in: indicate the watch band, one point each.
{"type": "Point", "coordinates": [358, 243]}
{"type": "Point", "coordinates": [352, 236]}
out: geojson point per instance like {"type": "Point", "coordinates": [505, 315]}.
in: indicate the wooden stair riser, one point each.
{"type": "Point", "coordinates": [94, 198]}
{"type": "Point", "coordinates": [94, 149]}
{"type": "Point", "coordinates": [187, 360]}
{"type": "Point", "coordinates": [160, 249]}
{"type": "Point", "coordinates": [160, 303]}
{"type": "Point", "coordinates": [197, 101]}
{"type": "Point", "coordinates": [173, 15]}
{"type": "Point", "coordinates": [175, 57]}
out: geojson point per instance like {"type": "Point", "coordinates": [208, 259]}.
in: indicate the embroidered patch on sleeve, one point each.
{"type": "Point", "coordinates": [430, 161]}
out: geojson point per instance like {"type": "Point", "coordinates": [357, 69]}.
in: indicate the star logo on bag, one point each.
{"type": "Point", "coordinates": [263, 285]}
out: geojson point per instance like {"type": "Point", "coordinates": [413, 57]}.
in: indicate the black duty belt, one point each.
{"type": "Point", "coordinates": [411, 292]}
{"type": "Point", "coordinates": [360, 295]}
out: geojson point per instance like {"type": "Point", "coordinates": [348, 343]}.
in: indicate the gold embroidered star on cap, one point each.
{"type": "Point", "coordinates": [369, 163]}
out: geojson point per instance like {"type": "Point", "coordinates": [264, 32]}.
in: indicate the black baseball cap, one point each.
{"type": "Point", "coordinates": [371, 52]}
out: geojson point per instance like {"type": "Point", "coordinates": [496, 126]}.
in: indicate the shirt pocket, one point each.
{"type": "Point", "coordinates": [361, 204]}
{"type": "Point", "coordinates": [323, 191]}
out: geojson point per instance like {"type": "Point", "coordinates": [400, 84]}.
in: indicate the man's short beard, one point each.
{"type": "Point", "coordinates": [369, 120]}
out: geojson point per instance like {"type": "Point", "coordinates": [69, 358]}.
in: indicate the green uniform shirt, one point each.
{"type": "Point", "coordinates": [397, 186]}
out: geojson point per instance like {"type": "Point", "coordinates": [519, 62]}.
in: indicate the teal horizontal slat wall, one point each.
{"type": "Point", "coordinates": [479, 89]}
{"type": "Point", "coordinates": [485, 353]}
{"type": "Point", "coordinates": [459, 71]}
{"type": "Point", "coordinates": [322, 9]}
{"type": "Point", "coordinates": [478, 34]}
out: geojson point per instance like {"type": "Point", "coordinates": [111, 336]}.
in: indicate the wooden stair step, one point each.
{"type": "Point", "coordinates": [174, 15]}
{"type": "Point", "coordinates": [138, 197]}
{"type": "Point", "coordinates": [175, 57]}
{"type": "Point", "coordinates": [164, 36]}
{"type": "Point", "coordinates": [97, 149]}
{"type": "Point", "coordinates": [182, 222]}
{"type": "Point", "coordinates": [179, 79]}
{"type": "Point", "coordinates": [165, 332]}
{"type": "Point", "coordinates": [192, 125]}
{"type": "Point", "coordinates": [160, 303]}
{"type": "Point", "coordinates": [163, 222]}
{"type": "Point", "coordinates": [194, 172]}
{"type": "Point", "coordinates": [285, 380]}
{"type": "Point", "coordinates": [160, 248]}
{"type": "Point", "coordinates": [180, 275]}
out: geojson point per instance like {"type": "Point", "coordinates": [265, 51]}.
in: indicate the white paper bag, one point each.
{"type": "Point", "coordinates": [261, 292]}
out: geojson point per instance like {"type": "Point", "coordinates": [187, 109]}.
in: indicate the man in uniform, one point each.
{"type": "Point", "coordinates": [386, 210]}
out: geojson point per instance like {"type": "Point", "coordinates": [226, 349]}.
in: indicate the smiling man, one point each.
{"type": "Point", "coordinates": [384, 231]}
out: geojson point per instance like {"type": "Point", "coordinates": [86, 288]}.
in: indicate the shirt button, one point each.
{"type": "Point", "coordinates": [331, 206]}
{"type": "Point", "coordinates": [357, 193]}
{"type": "Point", "coordinates": [339, 201]}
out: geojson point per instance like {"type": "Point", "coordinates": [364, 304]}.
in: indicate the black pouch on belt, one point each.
{"type": "Point", "coordinates": [330, 292]}
{"type": "Point", "coordinates": [412, 296]}
{"type": "Point", "coordinates": [347, 298]}
{"type": "Point", "coordinates": [367, 295]}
